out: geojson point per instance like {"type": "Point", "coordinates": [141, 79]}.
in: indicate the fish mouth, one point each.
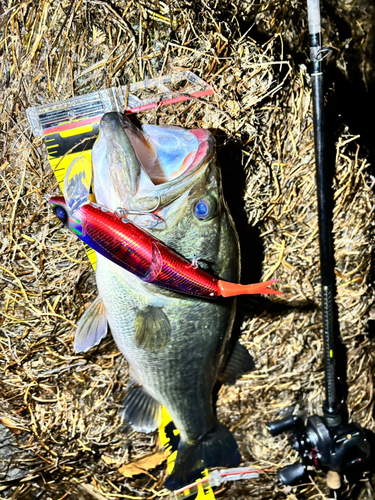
{"type": "Point", "coordinates": [152, 167]}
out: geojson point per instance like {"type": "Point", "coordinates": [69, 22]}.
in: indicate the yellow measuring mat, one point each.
{"type": "Point", "coordinates": [70, 128]}
{"type": "Point", "coordinates": [169, 437]}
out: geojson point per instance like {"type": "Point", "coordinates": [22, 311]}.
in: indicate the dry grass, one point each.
{"type": "Point", "coordinates": [62, 408]}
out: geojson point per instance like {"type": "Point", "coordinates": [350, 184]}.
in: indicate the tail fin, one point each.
{"type": "Point", "coordinates": [216, 448]}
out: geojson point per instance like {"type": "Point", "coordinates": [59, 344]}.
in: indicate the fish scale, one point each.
{"type": "Point", "coordinates": [178, 346]}
{"type": "Point", "coordinates": [160, 373]}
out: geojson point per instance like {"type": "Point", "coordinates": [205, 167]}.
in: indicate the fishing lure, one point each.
{"type": "Point", "coordinates": [136, 250]}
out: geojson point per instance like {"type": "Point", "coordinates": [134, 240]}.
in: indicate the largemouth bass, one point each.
{"type": "Point", "coordinates": [176, 345]}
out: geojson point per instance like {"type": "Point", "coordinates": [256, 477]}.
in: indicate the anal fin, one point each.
{"type": "Point", "coordinates": [92, 327]}
{"type": "Point", "coordinates": [239, 363]}
{"type": "Point", "coordinates": [141, 410]}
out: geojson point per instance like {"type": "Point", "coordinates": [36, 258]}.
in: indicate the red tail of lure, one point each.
{"type": "Point", "coordinates": [226, 289]}
{"type": "Point", "coordinates": [137, 251]}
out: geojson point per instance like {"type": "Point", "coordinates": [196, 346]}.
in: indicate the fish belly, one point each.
{"type": "Point", "coordinates": [181, 375]}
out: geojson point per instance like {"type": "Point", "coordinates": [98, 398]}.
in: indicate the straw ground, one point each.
{"type": "Point", "coordinates": [62, 437]}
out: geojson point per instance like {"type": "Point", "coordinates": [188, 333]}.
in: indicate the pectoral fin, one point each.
{"type": "Point", "coordinates": [239, 363]}
{"type": "Point", "coordinates": [141, 410]}
{"type": "Point", "coordinates": [152, 329]}
{"type": "Point", "coordinates": [92, 327]}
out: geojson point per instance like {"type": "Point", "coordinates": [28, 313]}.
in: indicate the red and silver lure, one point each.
{"type": "Point", "coordinates": [140, 253]}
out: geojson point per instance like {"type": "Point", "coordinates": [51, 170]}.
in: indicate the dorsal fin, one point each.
{"type": "Point", "coordinates": [77, 183]}
{"type": "Point", "coordinates": [239, 363]}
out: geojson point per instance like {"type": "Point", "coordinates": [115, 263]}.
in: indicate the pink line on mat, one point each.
{"type": "Point", "coordinates": [96, 119]}
{"type": "Point", "coordinates": [69, 126]}
{"type": "Point", "coordinates": [180, 98]}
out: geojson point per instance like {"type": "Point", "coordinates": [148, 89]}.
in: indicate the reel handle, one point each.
{"type": "Point", "coordinates": [294, 474]}
{"type": "Point", "coordinates": [285, 424]}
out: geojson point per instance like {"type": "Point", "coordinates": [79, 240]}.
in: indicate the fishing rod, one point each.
{"type": "Point", "coordinates": [329, 442]}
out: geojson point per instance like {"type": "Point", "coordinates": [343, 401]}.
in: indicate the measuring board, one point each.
{"type": "Point", "coordinates": [169, 437]}
{"type": "Point", "coordinates": [70, 129]}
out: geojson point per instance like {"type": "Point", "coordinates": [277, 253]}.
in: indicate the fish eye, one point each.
{"type": "Point", "coordinates": [60, 213]}
{"type": "Point", "coordinates": [205, 208]}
